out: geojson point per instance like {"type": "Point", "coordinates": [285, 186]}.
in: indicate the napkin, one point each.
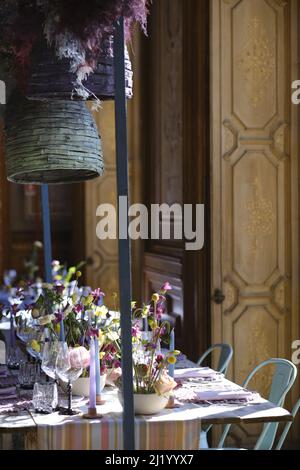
{"type": "Point", "coordinates": [195, 372]}
{"type": "Point", "coordinates": [3, 370]}
{"type": "Point", "coordinates": [8, 391]}
{"type": "Point", "coordinates": [8, 381]}
{"type": "Point", "coordinates": [197, 396]}
{"type": "Point", "coordinates": [220, 395]}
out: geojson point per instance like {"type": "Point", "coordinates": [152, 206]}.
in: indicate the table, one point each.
{"type": "Point", "coordinates": [176, 429]}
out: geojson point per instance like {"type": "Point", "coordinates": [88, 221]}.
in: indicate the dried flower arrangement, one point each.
{"type": "Point", "coordinates": [77, 30]}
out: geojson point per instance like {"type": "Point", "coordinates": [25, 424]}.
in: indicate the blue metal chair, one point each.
{"type": "Point", "coordinates": [226, 353]}
{"type": "Point", "coordinates": [287, 427]}
{"type": "Point", "coordinates": [283, 379]}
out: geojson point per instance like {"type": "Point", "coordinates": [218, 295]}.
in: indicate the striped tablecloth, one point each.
{"type": "Point", "coordinates": [174, 429]}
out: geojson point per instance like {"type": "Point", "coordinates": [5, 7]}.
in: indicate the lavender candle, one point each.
{"type": "Point", "coordinates": [92, 400]}
{"type": "Point", "coordinates": [97, 359]}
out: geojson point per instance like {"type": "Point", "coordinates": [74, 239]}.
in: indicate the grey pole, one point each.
{"type": "Point", "coordinates": [47, 232]}
{"type": "Point", "coordinates": [124, 242]}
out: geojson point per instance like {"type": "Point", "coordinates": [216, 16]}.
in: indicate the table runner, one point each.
{"type": "Point", "coordinates": [170, 430]}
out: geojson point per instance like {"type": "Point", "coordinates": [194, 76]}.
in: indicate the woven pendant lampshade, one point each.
{"type": "Point", "coordinates": [51, 143]}
{"type": "Point", "coordinates": [50, 77]}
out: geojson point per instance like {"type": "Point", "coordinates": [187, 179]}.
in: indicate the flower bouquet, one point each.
{"type": "Point", "coordinates": [151, 382]}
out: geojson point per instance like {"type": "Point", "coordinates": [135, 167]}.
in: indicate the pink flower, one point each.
{"type": "Point", "coordinates": [79, 357]}
{"type": "Point", "coordinates": [164, 384]}
{"type": "Point", "coordinates": [97, 295]}
{"type": "Point", "coordinates": [166, 286]}
{"type": "Point", "coordinates": [135, 331]}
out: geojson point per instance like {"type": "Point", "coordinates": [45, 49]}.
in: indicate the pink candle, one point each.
{"type": "Point", "coordinates": [92, 402]}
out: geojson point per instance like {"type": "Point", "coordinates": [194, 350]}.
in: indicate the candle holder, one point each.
{"type": "Point", "coordinates": [68, 411]}
{"type": "Point", "coordinates": [100, 400]}
{"type": "Point", "coordinates": [171, 402]}
{"type": "Point", "coordinates": [92, 414]}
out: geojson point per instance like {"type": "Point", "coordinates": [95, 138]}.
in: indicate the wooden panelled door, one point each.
{"type": "Point", "coordinates": [254, 161]}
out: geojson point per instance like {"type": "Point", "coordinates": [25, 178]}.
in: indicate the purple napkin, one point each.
{"type": "Point", "coordinates": [3, 370]}
{"type": "Point", "coordinates": [8, 391]}
{"type": "Point", "coordinates": [8, 381]}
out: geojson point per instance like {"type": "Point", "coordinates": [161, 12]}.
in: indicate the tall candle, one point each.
{"type": "Point", "coordinates": [97, 359]}
{"type": "Point", "coordinates": [92, 401]}
{"type": "Point", "coordinates": [172, 347]}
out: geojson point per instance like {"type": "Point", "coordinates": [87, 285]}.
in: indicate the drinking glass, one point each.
{"type": "Point", "coordinates": [12, 357]}
{"type": "Point", "coordinates": [29, 373]}
{"type": "Point", "coordinates": [45, 397]}
{"type": "Point", "coordinates": [68, 369]}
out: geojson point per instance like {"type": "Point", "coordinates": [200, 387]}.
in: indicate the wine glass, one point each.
{"type": "Point", "coordinates": [69, 367]}
{"type": "Point", "coordinates": [49, 356]}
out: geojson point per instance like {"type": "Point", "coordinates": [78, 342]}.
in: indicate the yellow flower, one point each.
{"type": "Point", "coordinates": [155, 298]}
{"type": "Point", "coordinates": [35, 345]}
{"type": "Point", "coordinates": [101, 355]}
{"type": "Point", "coordinates": [88, 300]}
{"type": "Point", "coordinates": [101, 311]}
{"type": "Point", "coordinates": [101, 337]}
{"type": "Point", "coordinates": [171, 359]}
{"type": "Point", "coordinates": [133, 304]}
{"type": "Point", "coordinates": [78, 274]}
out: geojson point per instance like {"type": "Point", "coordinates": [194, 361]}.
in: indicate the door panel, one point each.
{"type": "Point", "coordinates": [254, 190]}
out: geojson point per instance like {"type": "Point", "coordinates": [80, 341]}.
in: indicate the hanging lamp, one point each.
{"type": "Point", "coordinates": [51, 142]}
{"type": "Point", "coordinates": [50, 77]}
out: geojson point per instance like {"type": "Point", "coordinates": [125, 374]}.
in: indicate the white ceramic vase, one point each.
{"type": "Point", "coordinates": [81, 386]}
{"type": "Point", "coordinates": [149, 404]}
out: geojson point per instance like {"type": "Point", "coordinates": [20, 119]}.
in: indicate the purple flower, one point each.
{"type": "Point", "coordinates": [150, 346]}
{"type": "Point", "coordinates": [93, 332]}
{"type": "Point", "coordinates": [58, 318]}
{"type": "Point", "coordinates": [59, 288]}
{"type": "Point", "coordinates": [117, 364]}
{"type": "Point", "coordinates": [159, 358]}
{"type": "Point", "coordinates": [78, 308]}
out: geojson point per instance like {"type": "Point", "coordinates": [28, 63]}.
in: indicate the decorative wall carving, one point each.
{"type": "Point", "coordinates": [261, 216]}
{"type": "Point", "coordinates": [257, 61]}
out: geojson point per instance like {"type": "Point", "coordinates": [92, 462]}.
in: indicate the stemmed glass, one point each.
{"type": "Point", "coordinates": [69, 367]}
{"type": "Point", "coordinates": [50, 352]}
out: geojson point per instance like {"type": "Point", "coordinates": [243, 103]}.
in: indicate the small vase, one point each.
{"type": "Point", "coordinates": [81, 386]}
{"type": "Point", "coordinates": [148, 404]}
